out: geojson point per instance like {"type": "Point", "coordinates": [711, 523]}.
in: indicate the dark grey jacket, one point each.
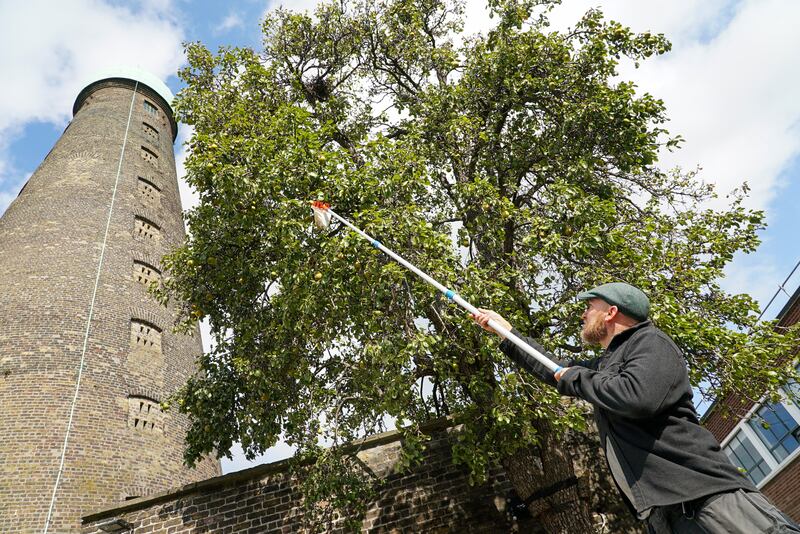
{"type": "Point", "coordinates": [657, 450]}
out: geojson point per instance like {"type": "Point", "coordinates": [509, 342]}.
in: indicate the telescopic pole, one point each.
{"type": "Point", "coordinates": [450, 294]}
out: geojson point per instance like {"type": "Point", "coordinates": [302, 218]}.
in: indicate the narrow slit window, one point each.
{"type": "Point", "coordinates": [146, 274]}
{"type": "Point", "coordinates": [144, 414]}
{"type": "Point", "coordinates": [146, 230]}
{"type": "Point", "coordinates": [149, 156]}
{"type": "Point", "coordinates": [145, 337]}
{"type": "Point", "coordinates": [150, 132]}
{"type": "Point", "coordinates": [149, 193]}
{"type": "Point", "coordinates": [150, 108]}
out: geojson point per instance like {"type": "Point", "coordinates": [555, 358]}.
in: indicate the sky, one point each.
{"type": "Point", "coordinates": [729, 84]}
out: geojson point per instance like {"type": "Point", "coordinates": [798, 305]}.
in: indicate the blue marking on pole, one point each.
{"type": "Point", "coordinates": [449, 294]}
{"type": "Point", "coordinates": [557, 370]}
{"type": "Point", "coordinates": [376, 243]}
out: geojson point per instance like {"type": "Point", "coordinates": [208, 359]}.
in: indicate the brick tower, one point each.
{"type": "Point", "coordinates": [86, 354]}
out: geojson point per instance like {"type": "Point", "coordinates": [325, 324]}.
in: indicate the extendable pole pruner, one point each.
{"type": "Point", "coordinates": [322, 217]}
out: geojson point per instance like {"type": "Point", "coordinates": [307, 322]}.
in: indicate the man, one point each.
{"type": "Point", "coordinates": [670, 469]}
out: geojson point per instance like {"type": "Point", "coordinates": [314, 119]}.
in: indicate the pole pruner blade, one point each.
{"type": "Point", "coordinates": [322, 217]}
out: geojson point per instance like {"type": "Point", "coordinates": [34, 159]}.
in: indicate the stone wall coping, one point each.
{"type": "Point", "coordinates": [251, 473]}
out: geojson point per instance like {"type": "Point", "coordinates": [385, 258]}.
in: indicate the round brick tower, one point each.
{"type": "Point", "coordinates": [86, 354]}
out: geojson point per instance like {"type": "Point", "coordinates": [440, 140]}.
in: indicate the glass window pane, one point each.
{"type": "Point", "coordinates": [744, 455]}
{"type": "Point", "coordinates": [775, 427]}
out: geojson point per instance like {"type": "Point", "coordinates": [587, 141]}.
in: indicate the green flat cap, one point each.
{"type": "Point", "coordinates": [630, 300]}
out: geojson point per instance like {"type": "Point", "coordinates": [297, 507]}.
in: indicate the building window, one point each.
{"type": "Point", "coordinates": [146, 230]}
{"type": "Point", "coordinates": [144, 414]}
{"type": "Point", "coordinates": [744, 455]}
{"type": "Point", "coordinates": [149, 193]}
{"type": "Point", "coordinates": [145, 337]}
{"type": "Point", "coordinates": [777, 429]}
{"type": "Point", "coordinates": [767, 441]}
{"type": "Point", "coordinates": [150, 132]}
{"type": "Point", "coordinates": [146, 274]}
{"type": "Point", "coordinates": [150, 108]}
{"type": "Point", "coordinates": [149, 156]}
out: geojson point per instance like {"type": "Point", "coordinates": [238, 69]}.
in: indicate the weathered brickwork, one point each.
{"type": "Point", "coordinates": [721, 422]}
{"type": "Point", "coordinates": [51, 239]}
{"type": "Point", "coordinates": [434, 497]}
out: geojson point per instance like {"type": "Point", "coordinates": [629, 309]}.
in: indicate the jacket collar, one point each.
{"type": "Point", "coordinates": [625, 335]}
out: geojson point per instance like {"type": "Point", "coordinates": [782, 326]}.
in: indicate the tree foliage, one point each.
{"type": "Point", "coordinates": [513, 166]}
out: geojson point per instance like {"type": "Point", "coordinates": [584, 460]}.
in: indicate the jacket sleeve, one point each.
{"type": "Point", "coordinates": [642, 386]}
{"type": "Point", "coordinates": [531, 364]}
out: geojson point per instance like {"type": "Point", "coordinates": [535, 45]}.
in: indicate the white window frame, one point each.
{"type": "Point", "coordinates": [755, 439]}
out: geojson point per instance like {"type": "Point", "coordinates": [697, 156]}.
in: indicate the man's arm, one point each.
{"type": "Point", "coordinates": [528, 362]}
{"type": "Point", "coordinates": [522, 358]}
{"type": "Point", "coordinates": [643, 385]}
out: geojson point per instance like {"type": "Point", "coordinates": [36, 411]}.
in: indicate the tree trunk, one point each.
{"type": "Point", "coordinates": [545, 480]}
{"type": "Point", "coordinates": [572, 489]}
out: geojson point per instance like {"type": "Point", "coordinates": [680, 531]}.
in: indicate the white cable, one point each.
{"type": "Point", "coordinates": [91, 313]}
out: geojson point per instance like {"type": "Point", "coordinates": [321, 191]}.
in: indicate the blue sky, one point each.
{"type": "Point", "coordinates": [730, 85]}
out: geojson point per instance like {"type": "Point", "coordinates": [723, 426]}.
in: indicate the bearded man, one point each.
{"type": "Point", "coordinates": [670, 470]}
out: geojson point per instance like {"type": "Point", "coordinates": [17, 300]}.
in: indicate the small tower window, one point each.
{"type": "Point", "coordinates": [150, 108]}
{"type": "Point", "coordinates": [149, 156]}
{"type": "Point", "coordinates": [144, 414]}
{"type": "Point", "coordinates": [150, 132]}
{"type": "Point", "coordinates": [149, 192]}
{"type": "Point", "coordinates": [146, 274]}
{"type": "Point", "coordinates": [145, 337]}
{"type": "Point", "coordinates": [145, 229]}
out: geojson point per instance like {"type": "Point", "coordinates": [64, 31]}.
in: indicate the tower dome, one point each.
{"type": "Point", "coordinates": [86, 354]}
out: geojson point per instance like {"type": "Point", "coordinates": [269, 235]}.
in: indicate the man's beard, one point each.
{"type": "Point", "coordinates": [594, 331]}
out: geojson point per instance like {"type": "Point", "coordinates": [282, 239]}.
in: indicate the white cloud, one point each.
{"type": "Point", "coordinates": [298, 6]}
{"type": "Point", "coordinates": [8, 186]}
{"type": "Point", "coordinates": [233, 20]}
{"type": "Point", "coordinates": [728, 83]}
{"type": "Point", "coordinates": [732, 99]}
{"type": "Point", "coordinates": [280, 451]}
{"type": "Point", "coordinates": [189, 197]}
{"type": "Point", "coordinates": [758, 277]}
{"type": "Point", "coordinates": [52, 47]}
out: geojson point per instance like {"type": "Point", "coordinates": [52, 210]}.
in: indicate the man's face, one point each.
{"type": "Point", "coordinates": [594, 325]}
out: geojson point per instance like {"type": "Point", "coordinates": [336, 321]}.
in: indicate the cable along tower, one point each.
{"type": "Point", "coordinates": [86, 354]}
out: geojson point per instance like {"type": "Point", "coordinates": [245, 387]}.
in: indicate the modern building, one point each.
{"type": "Point", "coordinates": [763, 438]}
{"type": "Point", "coordinates": [86, 354]}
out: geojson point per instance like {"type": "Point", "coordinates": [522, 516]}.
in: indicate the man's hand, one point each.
{"type": "Point", "coordinates": [483, 317]}
{"type": "Point", "coordinates": [560, 373]}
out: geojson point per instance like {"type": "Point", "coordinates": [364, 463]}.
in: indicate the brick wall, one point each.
{"type": "Point", "coordinates": [784, 490]}
{"type": "Point", "coordinates": [434, 497]}
{"type": "Point", "coordinates": [725, 415]}
{"type": "Point", "coordinates": [51, 238]}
